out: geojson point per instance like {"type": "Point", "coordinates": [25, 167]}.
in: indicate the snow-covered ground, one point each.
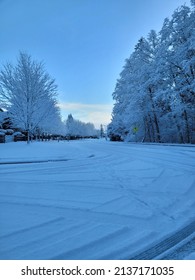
{"type": "Point", "coordinates": [92, 199]}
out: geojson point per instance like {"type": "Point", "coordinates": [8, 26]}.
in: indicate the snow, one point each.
{"type": "Point", "coordinates": [190, 257]}
{"type": "Point", "coordinates": [92, 199]}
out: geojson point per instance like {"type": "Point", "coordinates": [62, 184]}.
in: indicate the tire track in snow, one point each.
{"type": "Point", "coordinates": [112, 161]}
{"type": "Point", "coordinates": [182, 251]}
{"type": "Point", "coordinates": [168, 243]}
{"type": "Point", "coordinates": [40, 238]}
{"type": "Point", "coordinates": [32, 161]}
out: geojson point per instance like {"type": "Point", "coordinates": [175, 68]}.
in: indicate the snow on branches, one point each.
{"type": "Point", "coordinates": [156, 90]}
{"type": "Point", "coordinates": [28, 93]}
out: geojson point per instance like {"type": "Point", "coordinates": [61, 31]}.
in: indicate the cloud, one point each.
{"type": "Point", "coordinates": [94, 113]}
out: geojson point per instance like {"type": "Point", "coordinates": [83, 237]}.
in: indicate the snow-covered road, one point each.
{"type": "Point", "coordinates": [92, 199]}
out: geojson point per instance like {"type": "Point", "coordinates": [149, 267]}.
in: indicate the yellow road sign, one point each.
{"type": "Point", "coordinates": [135, 129]}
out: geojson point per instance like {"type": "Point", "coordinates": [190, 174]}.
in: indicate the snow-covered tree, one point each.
{"type": "Point", "coordinates": [28, 93]}
{"type": "Point", "coordinates": [155, 94]}
{"type": "Point", "coordinates": [76, 129]}
{"type": "Point", "coordinates": [2, 117]}
{"type": "Point", "coordinates": [178, 39]}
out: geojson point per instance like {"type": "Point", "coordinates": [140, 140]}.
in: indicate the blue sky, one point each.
{"type": "Point", "coordinates": [83, 43]}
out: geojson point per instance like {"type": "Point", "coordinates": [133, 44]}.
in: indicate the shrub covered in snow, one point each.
{"type": "Point", "coordinates": [3, 131]}
{"type": "Point", "coordinates": [9, 131]}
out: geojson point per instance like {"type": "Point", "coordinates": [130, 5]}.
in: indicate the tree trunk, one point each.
{"type": "Point", "coordinates": [158, 137]}
{"type": "Point", "coordinates": [157, 128]}
{"type": "Point", "coordinates": [28, 136]}
{"type": "Point", "coordinates": [146, 130]}
{"type": "Point", "coordinates": [181, 140]}
{"type": "Point", "coordinates": [187, 126]}
{"type": "Point", "coordinates": [151, 129]}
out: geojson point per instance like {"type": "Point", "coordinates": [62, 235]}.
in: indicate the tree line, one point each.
{"type": "Point", "coordinates": [155, 93]}
{"type": "Point", "coordinates": [75, 129]}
